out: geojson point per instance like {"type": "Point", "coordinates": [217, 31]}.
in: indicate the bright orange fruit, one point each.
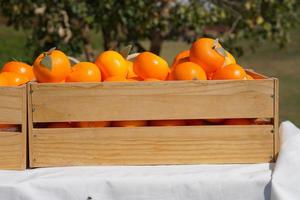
{"type": "Point", "coordinates": [130, 123]}
{"type": "Point", "coordinates": [51, 67]}
{"type": "Point", "coordinates": [233, 71]}
{"type": "Point", "coordinates": [115, 79]}
{"type": "Point", "coordinates": [167, 123]}
{"type": "Point", "coordinates": [183, 56]}
{"type": "Point", "coordinates": [91, 124]}
{"type": "Point", "coordinates": [148, 65]}
{"type": "Point", "coordinates": [111, 63]}
{"type": "Point", "coordinates": [229, 59]}
{"type": "Point", "coordinates": [188, 71]}
{"type": "Point", "coordinates": [3, 81]}
{"type": "Point", "coordinates": [84, 72]}
{"type": "Point", "coordinates": [151, 79]}
{"type": "Point", "coordinates": [204, 53]}
{"type": "Point", "coordinates": [13, 79]}
{"type": "Point", "coordinates": [131, 73]}
{"type": "Point", "coordinates": [19, 68]}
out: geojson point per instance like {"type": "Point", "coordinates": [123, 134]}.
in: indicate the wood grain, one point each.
{"type": "Point", "coordinates": [11, 150]}
{"type": "Point", "coordinates": [13, 110]}
{"type": "Point", "coordinates": [11, 104]}
{"type": "Point", "coordinates": [276, 118]}
{"type": "Point", "coordinates": [152, 100]}
{"type": "Point", "coordinates": [151, 145]}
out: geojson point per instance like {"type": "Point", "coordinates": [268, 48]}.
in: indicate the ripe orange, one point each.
{"type": "Point", "coordinates": [91, 124]}
{"type": "Point", "coordinates": [19, 68]}
{"type": "Point", "coordinates": [51, 67]}
{"type": "Point", "coordinates": [229, 59]}
{"type": "Point", "coordinates": [238, 122]}
{"type": "Point", "coordinates": [130, 123]}
{"type": "Point", "coordinates": [115, 79]}
{"type": "Point", "coordinates": [233, 71]}
{"type": "Point", "coordinates": [215, 121]}
{"type": "Point", "coordinates": [84, 72]}
{"type": "Point", "coordinates": [188, 71]}
{"type": "Point", "coordinates": [3, 81]}
{"type": "Point", "coordinates": [195, 122]}
{"type": "Point", "coordinates": [13, 79]}
{"type": "Point", "coordinates": [183, 56]}
{"type": "Point", "coordinates": [131, 73]}
{"type": "Point", "coordinates": [248, 77]}
{"type": "Point", "coordinates": [204, 53]}
{"type": "Point", "coordinates": [151, 79]}
{"type": "Point", "coordinates": [167, 123]}
{"type": "Point", "coordinates": [59, 125]}
{"type": "Point", "coordinates": [149, 65]}
{"type": "Point", "coordinates": [111, 63]}
{"type": "Point", "coordinates": [170, 76]}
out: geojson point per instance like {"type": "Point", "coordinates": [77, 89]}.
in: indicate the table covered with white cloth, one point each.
{"type": "Point", "coordinates": [186, 182]}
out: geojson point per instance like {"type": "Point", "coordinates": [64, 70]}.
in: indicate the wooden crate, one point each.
{"type": "Point", "coordinates": [13, 110]}
{"type": "Point", "coordinates": [153, 101]}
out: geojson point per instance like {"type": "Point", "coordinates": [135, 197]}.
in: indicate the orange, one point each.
{"type": "Point", "coordinates": [204, 53]}
{"type": "Point", "coordinates": [91, 124]}
{"type": "Point", "coordinates": [170, 76]}
{"type": "Point", "coordinates": [59, 125]}
{"type": "Point", "coordinates": [84, 72]}
{"type": "Point", "coordinates": [3, 81]}
{"type": "Point", "coordinates": [19, 68]}
{"type": "Point", "coordinates": [229, 59]}
{"type": "Point", "coordinates": [149, 65]}
{"type": "Point", "coordinates": [183, 56]}
{"type": "Point", "coordinates": [195, 122]}
{"type": "Point", "coordinates": [111, 63]}
{"type": "Point", "coordinates": [152, 79]}
{"type": "Point", "coordinates": [51, 67]}
{"type": "Point", "coordinates": [167, 123]}
{"type": "Point", "coordinates": [233, 71]}
{"type": "Point", "coordinates": [248, 77]}
{"type": "Point", "coordinates": [210, 76]}
{"type": "Point", "coordinates": [131, 73]}
{"type": "Point", "coordinates": [130, 123]}
{"type": "Point", "coordinates": [14, 79]}
{"type": "Point", "coordinates": [215, 121]}
{"type": "Point", "coordinates": [115, 79]}
{"type": "Point", "coordinates": [238, 122]}
{"type": "Point", "coordinates": [188, 71]}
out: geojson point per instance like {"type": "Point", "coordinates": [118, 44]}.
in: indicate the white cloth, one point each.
{"type": "Point", "coordinates": [186, 182]}
{"type": "Point", "coordinates": [286, 175]}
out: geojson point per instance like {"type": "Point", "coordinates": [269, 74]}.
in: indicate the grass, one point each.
{"type": "Point", "coordinates": [268, 59]}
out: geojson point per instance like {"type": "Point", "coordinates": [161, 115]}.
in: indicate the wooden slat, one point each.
{"type": "Point", "coordinates": [152, 100]}
{"type": "Point", "coordinates": [276, 118]}
{"type": "Point", "coordinates": [11, 150]}
{"type": "Point", "coordinates": [10, 104]}
{"type": "Point", "coordinates": [152, 145]}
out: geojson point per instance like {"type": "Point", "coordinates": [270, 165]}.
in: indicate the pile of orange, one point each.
{"type": "Point", "coordinates": [205, 60]}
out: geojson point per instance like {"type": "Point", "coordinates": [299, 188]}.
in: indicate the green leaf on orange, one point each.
{"type": "Point", "coordinates": [47, 62]}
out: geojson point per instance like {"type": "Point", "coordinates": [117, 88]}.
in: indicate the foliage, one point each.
{"type": "Point", "coordinates": [67, 23]}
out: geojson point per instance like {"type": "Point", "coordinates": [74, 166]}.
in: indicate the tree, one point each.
{"type": "Point", "coordinates": [67, 23]}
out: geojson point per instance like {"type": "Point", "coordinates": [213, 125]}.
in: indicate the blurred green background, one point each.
{"type": "Point", "coordinates": [270, 28]}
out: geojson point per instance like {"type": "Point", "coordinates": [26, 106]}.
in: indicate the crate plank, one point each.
{"type": "Point", "coordinates": [11, 150]}
{"type": "Point", "coordinates": [149, 100]}
{"type": "Point", "coordinates": [11, 105]}
{"type": "Point", "coordinates": [151, 145]}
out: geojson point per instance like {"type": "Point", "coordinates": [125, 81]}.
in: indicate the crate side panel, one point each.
{"type": "Point", "coordinates": [145, 101]}
{"type": "Point", "coordinates": [11, 104]}
{"type": "Point", "coordinates": [11, 151]}
{"type": "Point", "coordinates": [152, 145]}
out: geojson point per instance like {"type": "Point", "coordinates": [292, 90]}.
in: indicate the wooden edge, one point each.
{"type": "Point", "coordinates": [256, 75]}
{"type": "Point", "coordinates": [276, 118]}
{"type": "Point", "coordinates": [30, 123]}
{"type": "Point", "coordinates": [23, 159]}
